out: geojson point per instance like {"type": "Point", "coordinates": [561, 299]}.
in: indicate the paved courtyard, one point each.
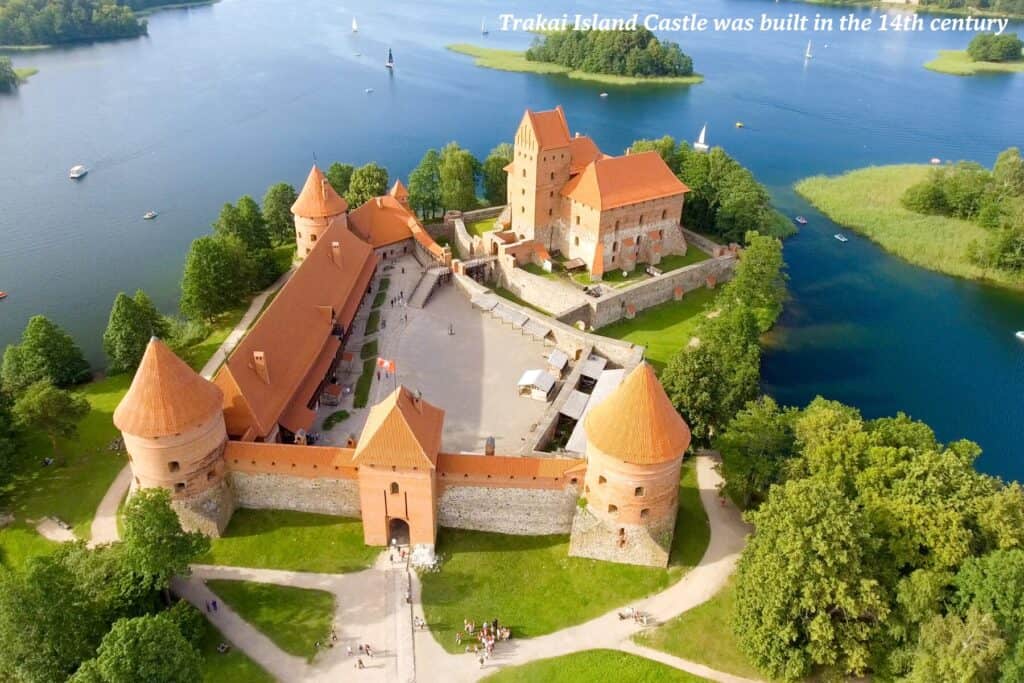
{"type": "Point", "coordinates": [471, 374]}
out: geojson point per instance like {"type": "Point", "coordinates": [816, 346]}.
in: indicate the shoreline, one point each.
{"type": "Point", "coordinates": [867, 201]}
{"type": "Point", "coordinates": [958, 63]}
{"type": "Point", "coordinates": [24, 73]}
{"type": "Point", "coordinates": [515, 61]}
{"type": "Point", "coordinates": [918, 9]}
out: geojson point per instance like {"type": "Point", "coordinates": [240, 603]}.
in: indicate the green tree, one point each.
{"type": "Point", "coordinates": [755, 447]}
{"type": "Point", "coordinates": [216, 277]}
{"type": "Point", "coordinates": [132, 323]}
{"type": "Point", "coordinates": [666, 147]}
{"type": "Point", "coordinates": [189, 621]}
{"type": "Point", "coordinates": [159, 324]}
{"type": "Point", "coordinates": [55, 412]}
{"type": "Point", "coordinates": [146, 648]}
{"type": "Point", "coordinates": [340, 177]}
{"type": "Point", "coordinates": [994, 584]}
{"type": "Point", "coordinates": [425, 184]}
{"type": "Point", "coordinates": [458, 175]}
{"type": "Point", "coordinates": [805, 596]}
{"type": "Point", "coordinates": [368, 181]}
{"type": "Point", "coordinates": [155, 547]}
{"type": "Point", "coordinates": [9, 442]}
{"type": "Point", "coordinates": [1008, 172]}
{"type": "Point", "coordinates": [759, 280]}
{"type": "Point", "coordinates": [46, 352]}
{"type": "Point", "coordinates": [8, 78]}
{"type": "Point", "coordinates": [277, 211]}
{"type": "Point", "coordinates": [969, 650]}
{"type": "Point", "coordinates": [244, 221]}
{"type": "Point", "coordinates": [494, 175]}
{"type": "Point", "coordinates": [988, 47]}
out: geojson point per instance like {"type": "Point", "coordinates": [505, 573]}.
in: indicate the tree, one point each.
{"type": "Point", "coordinates": [495, 177]}
{"type": "Point", "coordinates": [155, 546]}
{"type": "Point", "coordinates": [189, 621]}
{"type": "Point", "coordinates": [277, 212]}
{"type": "Point", "coordinates": [425, 184]}
{"type": "Point", "coordinates": [8, 77]}
{"type": "Point", "coordinates": [45, 352]}
{"type": "Point", "coordinates": [755, 447]}
{"type": "Point", "coordinates": [988, 47]}
{"type": "Point", "coordinates": [216, 277]}
{"type": "Point", "coordinates": [623, 53]}
{"type": "Point", "coordinates": [994, 585]}
{"type": "Point", "coordinates": [759, 280]}
{"type": "Point", "coordinates": [954, 649]}
{"type": "Point", "coordinates": [8, 441]}
{"type": "Point", "coordinates": [1008, 172]}
{"type": "Point", "coordinates": [340, 177]}
{"type": "Point", "coordinates": [805, 596]}
{"type": "Point", "coordinates": [146, 648]}
{"type": "Point", "coordinates": [54, 411]}
{"type": "Point", "coordinates": [160, 325]}
{"type": "Point", "coordinates": [458, 175]}
{"type": "Point", "coordinates": [368, 181]}
{"type": "Point", "coordinates": [244, 221]}
{"type": "Point", "coordinates": [132, 323]}
{"type": "Point", "coordinates": [666, 147]}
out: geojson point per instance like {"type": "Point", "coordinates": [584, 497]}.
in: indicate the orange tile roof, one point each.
{"type": "Point", "coordinates": [611, 182]}
{"type": "Point", "coordinates": [298, 415]}
{"type": "Point", "coordinates": [292, 333]}
{"type": "Point", "coordinates": [637, 423]}
{"type": "Point", "coordinates": [398, 191]}
{"type": "Point", "coordinates": [582, 150]}
{"type": "Point", "coordinates": [382, 221]}
{"type": "Point", "coordinates": [549, 127]}
{"type": "Point", "coordinates": [402, 431]}
{"type": "Point", "coordinates": [318, 198]}
{"type": "Point", "coordinates": [166, 396]}
{"type": "Point", "coordinates": [527, 467]}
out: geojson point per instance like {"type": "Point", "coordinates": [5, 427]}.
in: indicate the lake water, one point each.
{"type": "Point", "coordinates": [226, 99]}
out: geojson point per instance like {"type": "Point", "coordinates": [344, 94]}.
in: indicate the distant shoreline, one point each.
{"type": "Point", "coordinates": [926, 9]}
{"type": "Point", "coordinates": [959, 63]}
{"type": "Point", "coordinates": [512, 60]}
{"type": "Point", "coordinates": [24, 73]}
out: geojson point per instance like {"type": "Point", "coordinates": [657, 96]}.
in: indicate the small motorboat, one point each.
{"type": "Point", "coordinates": [604, 94]}
{"type": "Point", "coordinates": [3, 295]}
{"type": "Point", "coordinates": [368, 91]}
{"type": "Point", "coordinates": [841, 237]}
{"type": "Point", "coordinates": [935, 161]}
{"type": "Point", "coordinates": [355, 25]}
{"type": "Point", "coordinates": [1019, 335]}
{"type": "Point", "coordinates": [77, 172]}
{"type": "Point", "coordinates": [390, 64]}
{"type": "Point", "coordinates": [149, 215]}
{"type": "Point", "coordinates": [739, 124]}
{"type": "Point", "coordinates": [801, 220]}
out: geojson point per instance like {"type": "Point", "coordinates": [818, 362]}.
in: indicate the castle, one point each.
{"type": "Point", "coordinates": [238, 441]}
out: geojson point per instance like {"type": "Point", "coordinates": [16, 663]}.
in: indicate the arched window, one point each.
{"type": "Point", "coordinates": [524, 172]}
{"type": "Point", "coordinates": [173, 466]}
{"type": "Point", "coordinates": [645, 513]}
{"type": "Point", "coordinates": [394, 488]}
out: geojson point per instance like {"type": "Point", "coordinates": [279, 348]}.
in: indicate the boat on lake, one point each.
{"type": "Point", "coordinates": [935, 161]}
{"type": "Point", "coordinates": [808, 54]}
{"type": "Point", "coordinates": [3, 295]}
{"type": "Point", "coordinates": [483, 27]}
{"type": "Point", "coordinates": [368, 91]}
{"type": "Point", "coordinates": [701, 145]}
{"type": "Point", "coordinates": [77, 172]}
{"type": "Point", "coordinates": [739, 124]}
{"type": "Point", "coordinates": [355, 25]}
{"type": "Point", "coordinates": [149, 215]}
{"type": "Point", "coordinates": [604, 94]}
{"type": "Point", "coordinates": [841, 237]}
{"type": "Point", "coordinates": [1019, 335]}
{"type": "Point", "coordinates": [390, 64]}
{"type": "Point", "coordinates": [801, 220]}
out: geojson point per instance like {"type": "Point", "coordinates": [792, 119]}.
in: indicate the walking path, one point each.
{"type": "Point", "coordinates": [104, 523]}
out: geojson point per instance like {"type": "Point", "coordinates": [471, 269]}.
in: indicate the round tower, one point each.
{"type": "Point", "coordinates": [317, 206]}
{"type": "Point", "coordinates": [635, 445]}
{"type": "Point", "coordinates": [172, 422]}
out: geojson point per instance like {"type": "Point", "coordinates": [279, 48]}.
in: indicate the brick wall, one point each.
{"type": "Point", "coordinates": [647, 545]}
{"type": "Point", "coordinates": [208, 511]}
{"type": "Point", "coordinates": [505, 510]}
{"type": "Point", "coordinates": [305, 494]}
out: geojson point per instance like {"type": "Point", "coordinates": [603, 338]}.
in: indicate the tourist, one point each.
{"type": "Point", "coordinates": [348, 650]}
{"type": "Point", "coordinates": [482, 660]}
{"type": "Point", "coordinates": [458, 638]}
{"type": "Point", "coordinates": [369, 651]}
{"type": "Point", "coordinates": [359, 664]}
{"type": "Point", "coordinates": [207, 605]}
{"type": "Point", "coordinates": [214, 604]}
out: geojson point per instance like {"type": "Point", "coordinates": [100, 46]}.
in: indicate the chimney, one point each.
{"type": "Point", "coordinates": [259, 361]}
{"type": "Point", "coordinates": [417, 401]}
{"type": "Point", "coordinates": [336, 253]}
{"type": "Point", "coordinates": [380, 201]}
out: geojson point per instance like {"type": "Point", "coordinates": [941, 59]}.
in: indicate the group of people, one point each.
{"type": "Point", "coordinates": [480, 641]}
{"type": "Point", "coordinates": [364, 649]}
{"type": "Point", "coordinates": [636, 615]}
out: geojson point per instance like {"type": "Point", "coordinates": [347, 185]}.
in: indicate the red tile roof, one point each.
{"type": "Point", "coordinates": [611, 182]}
{"type": "Point", "coordinates": [549, 127]}
{"type": "Point", "coordinates": [402, 431]}
{"type": "Point", "coordinates": [318, 198]}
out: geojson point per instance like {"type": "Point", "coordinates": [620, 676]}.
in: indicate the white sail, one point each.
{"type": "Point", "coordinates": [701, 145]}
{"type": "Point", "coordinates": [808, 54]}
{"type": "Point", "coordinates": [355, 26]}
{"type": "Point", "coordinates": [483, 26]}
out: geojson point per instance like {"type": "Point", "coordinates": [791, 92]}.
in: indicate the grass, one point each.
{"type": "Point", "coordinates": [505, 294]}
{"type": "Point", "coordinates": [868, 201]}
{"type": "Point", "coordinates": [232, 666]}
{"type": "Point", "coordinates": [479, 228]}
{"type": "Point", "coordinates": [531, 583]}
{"type": "Point", "coordinates": [379, 300]}
{"type": "Point", "coordinates": [294, 618]}
{"type": "Point", "coordinates": [369, 350]}
{"type": "Point", "coordinates": [704, 634]}
{"type": "Point", "coordinates": [593, 665]}
{"type": "Point", "coordinates": [385, 282]}
{"type": "Point", "coordinates": [373, 322]}
{"type": "Point", "coordinates": [295, 541]}
{"type": "Point", "coordinates": [443, 241]}
{"type": "Point", "coordinates": [362, 392]}
{"type": "Point", "coordinates": [664, 329]}
{"type": "Point", "coordinates": [534, 269]}
{"type": "Point", "coordinates": [512, 60]}
{"type": "Point", "coordinates": [335, 418]}
{"type": "Point", "coordinates": [24, 73]}
{"type": "Point", "coordinates": [959, 63]}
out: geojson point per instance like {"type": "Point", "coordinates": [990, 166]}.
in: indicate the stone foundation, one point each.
{"type": "Point", "coordinates": [422, 555]}
{"type": "Point", "coordinates": [600, 539]}
{"type": "Point", "coordinates": [518, 511]}
{"type": "Point", "coordinates": [325, 496]}
{"type": "Point", "coordinates": [208, 512]}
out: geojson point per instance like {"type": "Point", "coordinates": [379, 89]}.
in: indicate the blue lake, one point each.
{"type": "Point", "coordinates": [226, 99]}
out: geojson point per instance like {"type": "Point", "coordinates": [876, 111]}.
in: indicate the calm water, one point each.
{"type": "Point", "coordinates": [224, 100]}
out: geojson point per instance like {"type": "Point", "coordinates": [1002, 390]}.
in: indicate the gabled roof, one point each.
{"type": "Point", "coordinates": [166, 397]}
{"type": "Point", "coordinates": [549, 127]}
{"type": "Point", "coordinates": [383, 220]}
{"type": "Point", "coordinates": [582, 150]}
{"type": "Point", "coordinates": [611, 182]}
{"type": "Point", "coordinates": [318, 198]}
{"type": "Point", "coordinates": [398, 191]}
{"type": "Point", "coordinates": [293, 332]}
{"type": "Point", "coordinates": [401, 430]}
{"type": "Point", "coordinates": [637, 423]}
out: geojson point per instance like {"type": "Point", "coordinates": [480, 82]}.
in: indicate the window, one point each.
{"type": "Point", "coordinates": [641, 221]}
{"type": "Point", "coordinates": [523, 208]}
{"type": "Point", "coordinates": [394, 488]}
{"type": "Point", "coordinates": [577, 241]}
{"type": "Point", "coordinates": [298, 234]}
{"type": "Point", "coordinates": [523, 191]}
{"type": "Point", "coordinates": [645, 513]}
{"type": "Point", "coordinates": [661, 234]}
{"type": "Point", "coordinates": [210, 475]}
{"type": "Point", "coordinates": [312, 237]}
{"type": "Point", "coordinates": [524, 172]}
{"type": "Point", "coordinates": [602, 480]}
{"type": "Point", "coordinates": [577, 220]}
{"type": "Point", "coordinates": [663, 214]}
{"type": "Point", "coordinates": [616, 225]}
{"type": "Point", "coordinates": [552, 176]}
{"type": "Point", "coordinates": [551, 212]}
{"type": "Point", "coordinates": [551, 194]}
{"type": "Point", "coordinates": [639, 491]}
{"type": "Point", "coordinates": [615, 247]}
{"type": "Point", "coordinates": [613, 509]}
{"type": "Point", "coordinates": [308, 250]}
{"type": "Point", "coordinates": [174, 466]}
{"type": "Point", "coordinates": [180, 486]}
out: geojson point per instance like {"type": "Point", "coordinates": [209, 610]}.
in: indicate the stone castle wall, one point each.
{"type": "Point", "coordinates": [327, 496]}
{"type": "Point", "coordinates": [554, 296]}
{"type": "Point", "coordinates": [597, 539]}
{"type": "Point", "coordinates": [208, 511]}
{"type": "Point", "coordinates": [506, 510]}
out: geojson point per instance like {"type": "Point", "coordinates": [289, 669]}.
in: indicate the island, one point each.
{"type": "Point", "coordinates": [987, 53]}
{"type": "Point", "coordinates": [10, 77]}
{"type": "Point", "coordinates": [619, 58]}
{"type": "Point", "coordinates": [958, 219]}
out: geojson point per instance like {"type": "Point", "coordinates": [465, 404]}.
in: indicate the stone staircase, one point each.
{"type": "Point", "coordinates": [425, 287]}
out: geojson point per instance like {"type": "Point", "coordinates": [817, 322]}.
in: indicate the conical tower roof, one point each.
{"type": "Point", "coordinates": [637, 423]}
{"type": "Point", "coordinates": [318, 198]}
{"type": "Point", "coordinates": [398, 191]}
{"type": "Point", "coordinates": [166, 397]}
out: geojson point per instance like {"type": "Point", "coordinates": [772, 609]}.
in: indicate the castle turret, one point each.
{"type": "Point", "coordinates": [317, 206]}
{"type": "Point", "coordinates": [635, 446]}
{"type": "Point", "coordinates": [399, 192]}
{"type": "Point", "coordinates": [172, 422]}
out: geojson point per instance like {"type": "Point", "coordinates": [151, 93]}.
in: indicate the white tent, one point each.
{"type": "Point", "coordinates": [537, 384]}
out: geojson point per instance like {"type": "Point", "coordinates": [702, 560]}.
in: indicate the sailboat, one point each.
{"type": "Point", "coordinates": [355, 26]}
{"type": "Point", "coordinates": [391, 60]}
{"type": "Point", "coordinates": [701, 145]}
{"type": "Point", "coordinates": [483, 27]}
{"type": "Point", "coordinates": [808, 54]}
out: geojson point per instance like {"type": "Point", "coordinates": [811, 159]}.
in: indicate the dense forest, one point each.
{"type": "Point", "coordinates": [51, 22]}
{"type": "Point", "coordinates": [988, 47]}
{"type": "Point", "coordinates": [621, 53]}
{"type": "Point", "coordinates": [8, 78]}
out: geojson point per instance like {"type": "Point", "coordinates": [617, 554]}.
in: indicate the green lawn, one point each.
{"type": "Point", "coordinates": [480, 227]}
{"type": "Point", "coordinates": [296, 541]}
{"type": "Point", "coordinates": [615, 278]}
{"type": "Point", "coordinates": [512, 60]}
{"type": "Point", "coordinates": [704, 634]}
{"type": "Point", "coordinates": [959, 63]}
{"type": "Point", "coordinates": [379, 300]}
{"type": "Point", "coordinates": [868, 201]}
{"type": "Point", "coordinates": [443, 241]}
{"type": "Point", "coordinates": [335, 418]}
{"type": "Point", "coordinates": [294, 618]}
{"type": "Point", "coordinates": [676, 261]}
{"type": "Point", "coordinates": [373, 322]}
{"type": "Point", "coordinates": [363, 384]}
{"type": "Point", "coordinates": [664, 329]}
{"type": "Point", "coordinates": [231, 667]}
{"type": "Point", "coordinates": [369, 350]}
{"type": "Point", "coordinates": [534, 269]}
{"type": "Point", "coordinates": [505, 294]}
{"type": "Point", "coordinates": [531, 583]}
{"type": "Point", "coordinates": [593, 665]}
